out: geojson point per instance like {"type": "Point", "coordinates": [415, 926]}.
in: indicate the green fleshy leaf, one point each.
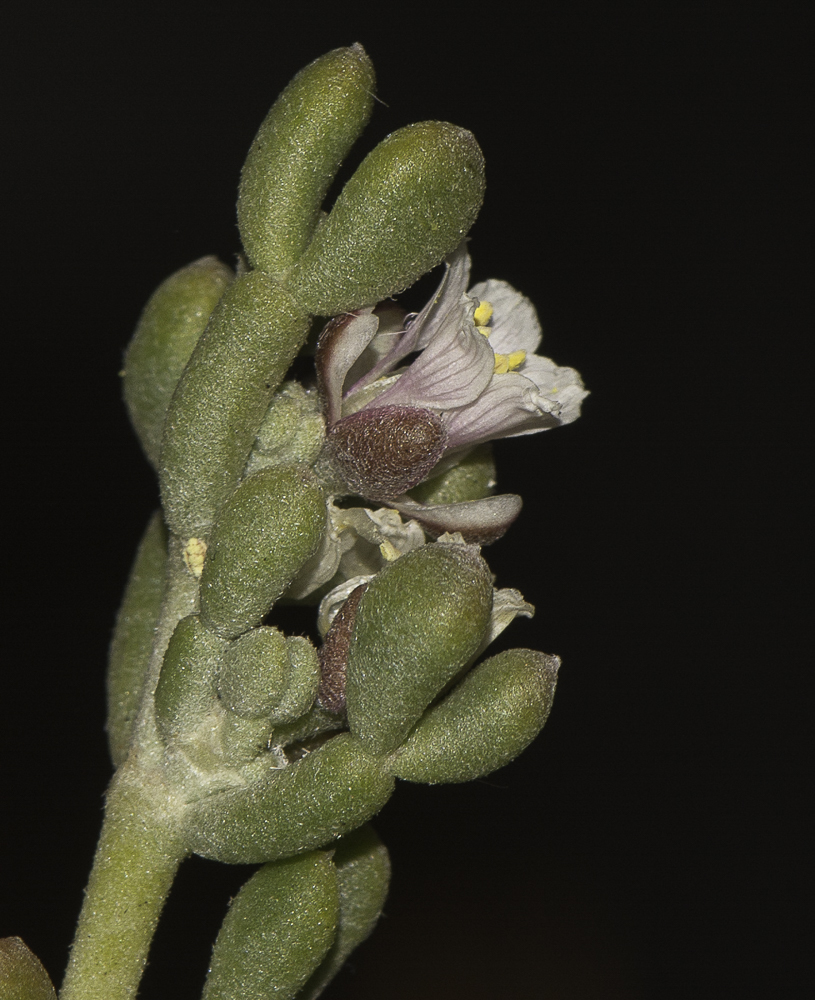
{"type": "Point", "coordinates": [270, 526]}
{"type": "Point", "coordinates": [166, 334]}
{"type": "Point", "coordinates": [484, 722]}
{"type": "Point", "coordinates": [420, 621]}
{"type": "Point", "coordinates": [213, 417]}
{"type": "Point", "coordinates": [276, 932]}
{"type": "Point", "coordinates": [133, 637]}
{"type": "Point", "coordinates": [327, 793]}
{"type": "Point", "coordinates": [363, 874]}
{"type": "Point", "coordinates": [297, 152]}
{"type": "Point", "coordinates": [22, 976]}
{"type": "Point", "coordinates": [408, 205]}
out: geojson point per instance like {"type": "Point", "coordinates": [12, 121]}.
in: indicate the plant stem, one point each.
{"type": "Point", "coordinates": [136, 860]}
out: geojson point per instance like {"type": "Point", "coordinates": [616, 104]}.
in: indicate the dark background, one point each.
{"type": "Point", "coordinates": [646, 190]}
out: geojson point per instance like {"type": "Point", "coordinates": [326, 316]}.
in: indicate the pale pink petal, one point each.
{"type": "Point", "coordinates": [510, 406]}
{"type": "Point", "coordinates": [479, 521]}
{"type": "Point", "coordinates": [559, 385]}
{"type": "Point", "coordinates": [422, 328]}
{"type": "Point", "coordinates": [451, 372]}
{"type": "Point", "coordinates": [342, 341]}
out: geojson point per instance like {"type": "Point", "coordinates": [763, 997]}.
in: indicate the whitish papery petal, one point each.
{"type": "Point", "coordinates": [507, 605]}
{"type": "Point", "coordinates": [561, 385]}
{"type": "Point", "coordinates": [479, 521]}
{"type": "Point", "coordinates": [342, 341]}
{"type": "Point", "coordinates": [515, 325]}
{"type": "Point", "coordinates": [510, 406]}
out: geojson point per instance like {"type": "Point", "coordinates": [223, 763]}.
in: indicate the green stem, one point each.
{"type": "Point", "coordinates": [138, 855]}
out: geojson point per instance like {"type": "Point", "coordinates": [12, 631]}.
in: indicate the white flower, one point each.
{"type": "Point", "coordinates": [475, 377]}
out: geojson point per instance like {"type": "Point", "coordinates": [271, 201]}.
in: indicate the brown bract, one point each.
{"type": "Point", "coordinates": [384, 451]}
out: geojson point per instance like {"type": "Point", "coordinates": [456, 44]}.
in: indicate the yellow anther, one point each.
{"type": "Point", "coordinates": [508, 362]}
{"type": "Point", "coordinates": [483, 314]}
{"type": "Point", "coordinates": [389, 551]}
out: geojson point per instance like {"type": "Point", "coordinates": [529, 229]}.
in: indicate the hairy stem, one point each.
{"type": "Point", "coordinates": [138, 855]}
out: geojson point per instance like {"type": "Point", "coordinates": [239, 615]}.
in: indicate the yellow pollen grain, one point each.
{"type": "Point", "coordinates": [389, 551]}
{"type": "Point", "coordinates": [508, 362]}
{"type": "Point", "coordinates": [483, 314]}
{"type": "Point", "coordinates": [194, 552]}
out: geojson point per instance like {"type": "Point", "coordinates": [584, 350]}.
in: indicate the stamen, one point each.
{"type": "Point", "coordinates": [508, 362]}
{"type": "Point", "coordinates": [483, 314]}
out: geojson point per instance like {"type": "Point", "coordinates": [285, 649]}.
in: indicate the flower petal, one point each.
{"type": "Point", "coordinates": [448, 295]}
{"type": "Point", "coordinates": [478, 521]}
{"type": "Point", "coordinates": [560, 385]}
{"type": "Point", "coordinates": [452, 371]}
{"type": "Point", "coordinates": [515, 325]}
{"type": "Point", "coordinates": [507, 605]}
{"type": "Point", "coordinates": [424, 326]}
{"type": "Point", "coordinates": [544, 396]}
{"type": "Point", "coordinates": [342, 341]}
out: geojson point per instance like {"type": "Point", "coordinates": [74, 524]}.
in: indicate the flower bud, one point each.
{"type": "Point", "coordinates": [277, 930]}
{"type": "Point", "coordinates": [323, 795]}
{"type": "Point", "coordinates": [418, 624]}
{"type": "Point", "coordinates": [266, 531]}
{"type": "Point", "coordinates": [222, 397]}
{"type": "Point", "coordinates": [484, 722]}
{"type": "Point", "coordinates": [185, 695]}
{"type": "Point", "coordinates": [292, 431]}
{"type": "Point", "coordinates": [266, 675]}
{"type": "Point", "coordinates": [297, 152]}
{"type": "Point", "coordinates": [166, 334]}
{"type": "Point", "coordinates": [408, 205]}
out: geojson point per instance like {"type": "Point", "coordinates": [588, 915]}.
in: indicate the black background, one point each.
{"type": "Point", "coordinates": [646, 190]}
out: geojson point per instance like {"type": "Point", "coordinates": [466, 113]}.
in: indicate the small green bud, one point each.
{"type": "Point", "coordinates": [168, 330]}
{"type": "Point", "coordinates": [304, 681]}
{"type": "Point", "coordinates": [418, 624]}
{"type": "Point", "coordinates": [297, 152]}
{"type": "Point", "coordinates": [268, 528]}
{"type": "Point", "coordinates": [22, 976]}
{"type": "Point", "coordinates": [254, 673]}
{"type": "Point", "coordinates": [185, 698]}
{"type": "Point", "coordinates": [264, 674]}
{"type": "Point", "coordinates": [363, 874]}
{"type": "Point", "coordinates": [276, 932]}
{"type": "Point", "coordinates": [323, 795]}
{"type": "Point", "coordinates": [472, 478]}
{"type": "Point", "coordinates": [133, 637]}
{"type": "Point", "coordinates": [409, 204]}
{"type": "Point", "coordinates": [292, 432]}
{"type": "Point", "coordinates": [485, 721]}
{"type": "Point", "coordinates": [213, 417]}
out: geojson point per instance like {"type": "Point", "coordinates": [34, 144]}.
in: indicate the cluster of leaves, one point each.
{"type": "Point", "coordinates": [231, 739]}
